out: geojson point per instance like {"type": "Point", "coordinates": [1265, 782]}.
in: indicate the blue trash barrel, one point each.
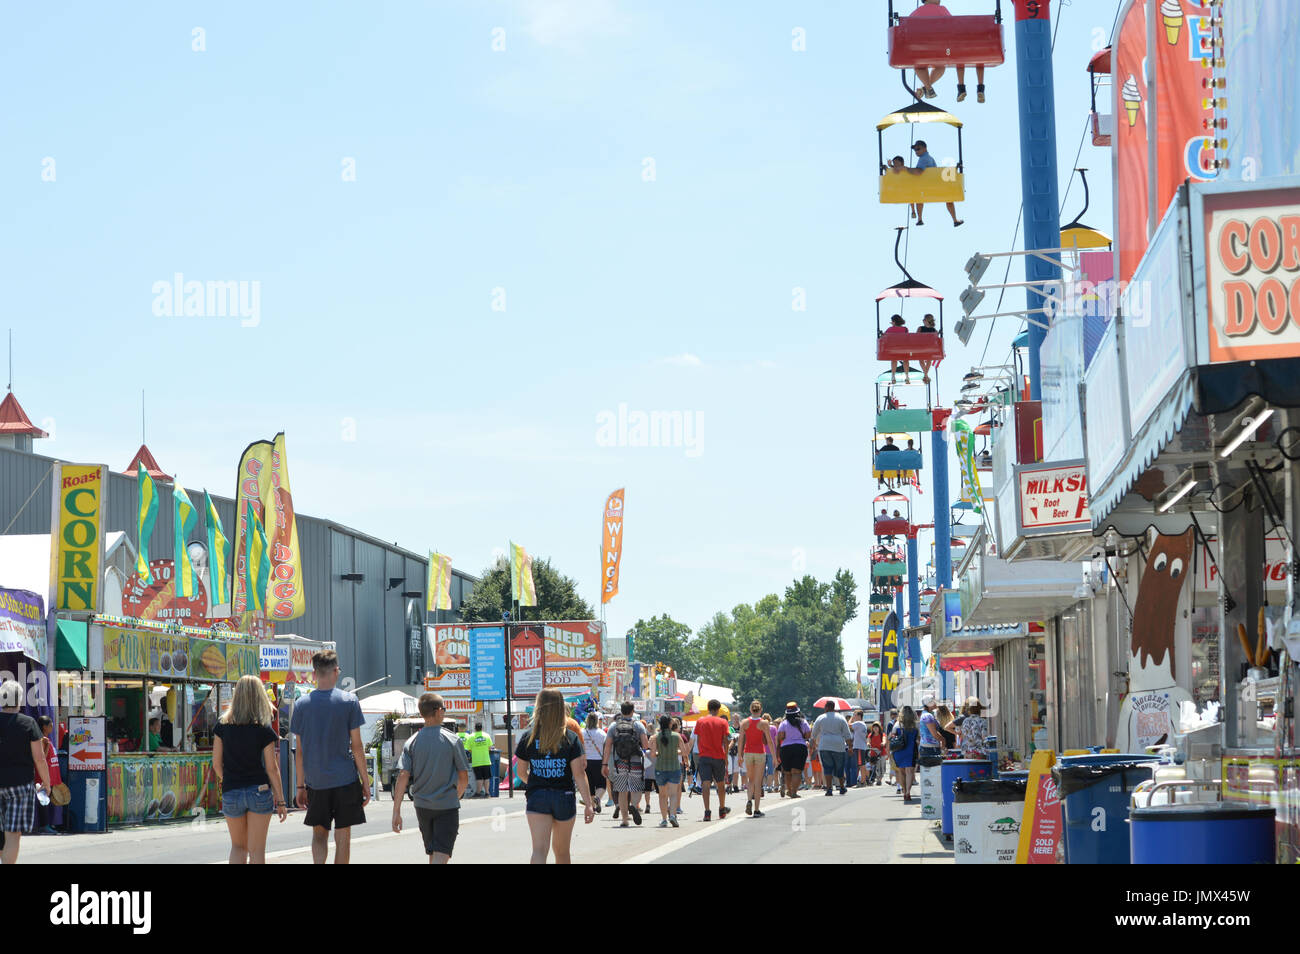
{"type": "Point", "coordinates": [949, 772]}
{"type": "Point", "coordinates": [494, 787]}
{"type": "Point", "coordinates": [1094, 807]}
{"type": "Point", "coordinates": [1109, 758]}
{"type": "Point", "coordinates": [1213, 833]}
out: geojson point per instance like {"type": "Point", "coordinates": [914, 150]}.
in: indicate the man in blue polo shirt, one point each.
{"type": "Point", "coordinates": [926, 161]}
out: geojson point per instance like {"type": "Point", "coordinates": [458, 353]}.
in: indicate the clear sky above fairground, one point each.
{"type": "Point", "coordinates": [475, 226]}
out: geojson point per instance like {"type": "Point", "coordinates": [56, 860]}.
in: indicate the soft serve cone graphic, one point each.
{"type": "Point", "coordinates": [1132, 98]}
{"type": "Point", "coordinates": [1172, 13]}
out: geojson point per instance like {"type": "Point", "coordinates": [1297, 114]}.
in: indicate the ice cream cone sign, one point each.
{"type": "Point", "coordinates": [1131, 98]}
{"type": "Point", "coordinates": [1172, 13]}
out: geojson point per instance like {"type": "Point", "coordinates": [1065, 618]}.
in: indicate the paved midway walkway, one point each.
{"type": "Point", "coordinates": [866, 826]}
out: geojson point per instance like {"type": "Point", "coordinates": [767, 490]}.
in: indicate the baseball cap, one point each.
{"type": "Point", "coordinates": [927, 701]}
{"type": "Point", "coordinates": [921, 143]}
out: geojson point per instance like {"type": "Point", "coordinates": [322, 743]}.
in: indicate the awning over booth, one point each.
{"type": "Point", "coordinates": [70, 650]}
{"type": "Point", "coordinates": [966, 662]}
{"type": "Point", "coordinates": [978, 639]}
{"type": "Point", "coordinates": [1160, 431]}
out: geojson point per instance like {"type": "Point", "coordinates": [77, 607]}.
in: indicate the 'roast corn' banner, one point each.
{"type": "Point", "coordinates": [439, 582]}
{"type": "Point", "coordinates": [77, 547]}
{"type": "Point", "coordinates": [263, 483]}
{"type": "Point", "coordinates": [611, 550]}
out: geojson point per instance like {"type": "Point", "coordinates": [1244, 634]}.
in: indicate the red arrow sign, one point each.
{"type": "Point", "coordinates": [85, 755]}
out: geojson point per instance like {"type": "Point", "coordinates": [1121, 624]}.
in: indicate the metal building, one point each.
{"type": "Point", "coordinates": [376, 620]}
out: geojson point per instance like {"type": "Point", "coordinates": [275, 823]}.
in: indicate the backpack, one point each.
{"type": "Point", "coordinates": [626, 744]}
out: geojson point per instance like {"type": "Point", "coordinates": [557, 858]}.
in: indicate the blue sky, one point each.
{"type": "Point", "coordinates": [414, 409]}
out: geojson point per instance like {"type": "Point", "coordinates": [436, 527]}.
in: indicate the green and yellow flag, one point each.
{"type": "Point", "coordinates": [218, 553]}
{"type": "Point", "coordinates": [522, 589]}
{"type": "Point", "coordinates": [257, 563]}
{"type": "Point", "coordinates": [439, 582]}
{"type": "Point", "coordinates": [183, 520]}
{"type": "Point", "coordinates": [148, 512]}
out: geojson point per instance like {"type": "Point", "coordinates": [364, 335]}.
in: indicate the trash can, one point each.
{"type": "Point", "coordinates": [927, 775]}
{"type": "Point", "coordinates": [1106, 758]}
{"type": "Point", "coordinates": [1094, 792]}
{"type": "Point", "coordinates": [1214, 833]}
{"type": "Point", "coordinates": [950, 771]}
{"type": "Point", "coordinates": [494, 787]}
{"type": "Point", "coordinates": [986, 816]}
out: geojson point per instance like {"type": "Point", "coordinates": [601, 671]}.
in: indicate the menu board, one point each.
{"type": "Point", "coordinates": [241, 660]}
{"type": "Point", "coordinates": [168, 655]}
{"type": "Point", "coordinates": [125, 651]}
{"type": "Point", "coordinates": [207, 659]}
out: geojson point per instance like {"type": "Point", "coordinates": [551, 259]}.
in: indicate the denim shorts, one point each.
{"type": "Point", "coordinates": [671, 777]}
{"type": "Point", "coordinates": [562, 806]}
{"type": "Point", "coordinates": [257, 799]}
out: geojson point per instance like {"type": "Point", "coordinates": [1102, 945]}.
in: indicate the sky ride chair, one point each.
{"type": "Point", "coordinates": [927, 38]}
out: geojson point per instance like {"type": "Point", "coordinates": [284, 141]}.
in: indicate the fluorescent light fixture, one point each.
{"type": "Point", "coordinates": [1249, 425]}
{"type": "Point", "coordinates": [965, 327]}
{"type": "Point", "coordinates": [1186, 488]}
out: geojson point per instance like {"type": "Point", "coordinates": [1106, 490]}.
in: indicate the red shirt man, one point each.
{"type": "Point", "coordinates": [711, 764]}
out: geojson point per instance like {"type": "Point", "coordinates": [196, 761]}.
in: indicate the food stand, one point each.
{"type": "Point", "coordinates": [183, 677]}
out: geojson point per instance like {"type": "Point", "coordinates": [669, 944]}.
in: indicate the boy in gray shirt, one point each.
{"type": "Point", "coordinates": [433, 765]}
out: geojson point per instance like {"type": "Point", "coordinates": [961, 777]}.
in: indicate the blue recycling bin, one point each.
{"type": "Point", "coordinates": [1095, 792]}
{"type": "Point", "coordinates": [949, 772]}
{"type": "Point", "coordinates": [1209, 833]}
{"type": "Point", "coordinates": [495, 787]}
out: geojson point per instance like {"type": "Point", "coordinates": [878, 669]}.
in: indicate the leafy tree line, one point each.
{"type": "Point", "coordinates": [778, 649]}
{"type": "Point", "coordinates": [557, 596]}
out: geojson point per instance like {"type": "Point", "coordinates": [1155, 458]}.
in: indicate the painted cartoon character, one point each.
{"type": "Point", "coordinates": [1146, 715]}
{"type": "Point", "coordinates": [1156, 611]}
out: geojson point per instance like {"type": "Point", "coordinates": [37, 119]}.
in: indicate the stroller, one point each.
{"type": "Point", "coordinates": [876, 772]}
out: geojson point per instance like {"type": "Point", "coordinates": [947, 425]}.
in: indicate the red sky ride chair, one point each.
{"type": "Point", "coordinates": [926, 40]}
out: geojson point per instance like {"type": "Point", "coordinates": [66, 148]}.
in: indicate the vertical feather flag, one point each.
{"type": "Point", "coordinates": [256, 563]}
{"type": "Point", "coordinates": [148, 497]}
{"type": "Point", "coordinates": [183, 520]}
{"type": "Point", "coordinates": [522, 589]}
{"type": "Point", "coordinates": [218, 553]}
{"type": "Point", "coordinates": [439, 582]}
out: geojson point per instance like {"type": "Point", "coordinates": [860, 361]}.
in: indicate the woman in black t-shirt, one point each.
{"type": "Point", "coordinates": [551, 765]}
{"type": "Point", "coordinates": [245, 758]}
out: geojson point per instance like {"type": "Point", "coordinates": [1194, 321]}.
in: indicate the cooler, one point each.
{"type": "Point", "coordinates": [949, 772]}
{"type": "Point", "coordinates": [1214, 833]}
{"type": "Point", "coordinates": [986, 820]}
{"type": "Point", "coordinates": [1095, 806]}
{"type": "Point", "coordinates": [927, 775]}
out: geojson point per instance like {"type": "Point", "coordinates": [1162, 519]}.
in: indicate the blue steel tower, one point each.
{"type": "Point", "coordinates": [1042, 213]}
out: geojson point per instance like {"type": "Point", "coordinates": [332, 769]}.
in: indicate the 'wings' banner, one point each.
{"type": "Point", "coordinates": [611, 549]}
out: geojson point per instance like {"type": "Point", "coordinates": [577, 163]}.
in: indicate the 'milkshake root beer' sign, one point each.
{"type": "Point", "coordinates": [1253, 266]}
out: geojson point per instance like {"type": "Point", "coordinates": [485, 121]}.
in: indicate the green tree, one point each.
{"type": "Point", "coordinates": [557, 596]}
{"type": "Point", "coordinates": [663, 639]}
{"type": "Point", "coordinates": [783, 649]}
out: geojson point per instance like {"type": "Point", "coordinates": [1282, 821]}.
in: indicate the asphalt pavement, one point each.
{"type": "Point", "coordinates": [866, 826]}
